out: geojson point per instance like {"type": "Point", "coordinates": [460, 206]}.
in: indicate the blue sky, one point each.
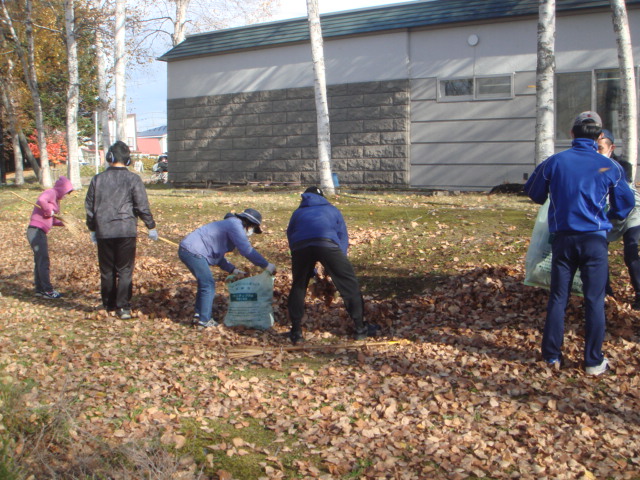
{"type": "Point", "coordinates": [147, 89]}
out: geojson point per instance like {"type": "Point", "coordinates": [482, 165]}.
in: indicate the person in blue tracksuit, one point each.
{"type": "Point", "coordinates": [317, 233]}
{"type": "Point", "coordinates": [585, 190]}
{"type": "Point", "coordinates": [208, 245]}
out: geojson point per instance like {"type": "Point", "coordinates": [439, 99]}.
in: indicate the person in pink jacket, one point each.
{"type": "Point", "coordinates": [42, 219]}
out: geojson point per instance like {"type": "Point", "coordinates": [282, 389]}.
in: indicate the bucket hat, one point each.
{"type": "Point", "coordinates": [252, 216]}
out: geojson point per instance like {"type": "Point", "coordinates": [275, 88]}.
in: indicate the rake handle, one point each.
{"type": "Point", "coordinates": [166, 240]}
{"type": "Point", "coordinates": [255, 351]}
{"type": "Point", "coordinates": [33, 203]}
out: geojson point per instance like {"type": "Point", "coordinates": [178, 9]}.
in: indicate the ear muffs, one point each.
{"type": "Point", "coordinates": [111, 158]}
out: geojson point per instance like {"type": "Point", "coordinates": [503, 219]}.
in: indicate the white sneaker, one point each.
{"type": "Point", "coordinates": [210, 323]}
{"type": "Point", "coordinates": [53, 294]}
{"type": "Point", "coordinates": [598, 369]}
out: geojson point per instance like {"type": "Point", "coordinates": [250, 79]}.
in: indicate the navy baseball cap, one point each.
{"type": "Point", "coordinates": [316, 190]}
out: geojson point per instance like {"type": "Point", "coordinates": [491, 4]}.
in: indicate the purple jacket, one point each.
{"type": "Point", "coordinates": [215, 239]}
{"type": "Point", "coordinates": [42, 217]}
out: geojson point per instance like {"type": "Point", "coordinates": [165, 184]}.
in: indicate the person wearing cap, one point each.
{"type": "Point", "coordinates": [317, 233]}
{"type": "Point", "coordinates": [41, 221]}
{"type": "Point", "coordinates": [115, 199]}
{"type": "Point", "coordinates": [578, 182]}
{"type": "Point", "coordinates": [629, 228]}
{"type": "Point", "coordinates": [208, 245]}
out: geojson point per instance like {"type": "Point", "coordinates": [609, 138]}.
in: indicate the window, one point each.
{"type": "Point", "coordinates": [576, 92]}
{"type": "Point", "coordinates": [608, 99]}
{"type": "Point", "coordinates": [493, 87]}
{"type": "Point", "coordinates": [573, 95]}
{"type": "Point", "coordinates": [460, 87]}
{"type": "Point", "coordinates": [475, 88]}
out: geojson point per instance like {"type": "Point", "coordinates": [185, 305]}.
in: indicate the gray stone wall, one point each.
{"type": "Point", "coordinates": [270, 136]}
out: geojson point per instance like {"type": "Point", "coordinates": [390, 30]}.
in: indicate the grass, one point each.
{"type": "Point", "coordinates": [25, 429]}
{"type": "Point", "coordinates": [403, 244]}
{"type": "Point", "coordinates": [212, 446]}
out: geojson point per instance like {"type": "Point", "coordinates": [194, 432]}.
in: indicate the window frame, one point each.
{"type": "Point", "coordinates": [593, 97]}
{"type": "Point", "coordinates": [474, 96]}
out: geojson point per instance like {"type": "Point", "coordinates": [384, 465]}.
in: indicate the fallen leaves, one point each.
{"type": "Point", "coordinates": [464, 395]}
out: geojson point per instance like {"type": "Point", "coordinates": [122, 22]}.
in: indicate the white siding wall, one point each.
{"type": "Point", "coordinates": [353, 60]}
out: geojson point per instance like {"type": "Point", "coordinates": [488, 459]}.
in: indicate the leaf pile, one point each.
{"type": "Point", "coordinates": [465, 396]}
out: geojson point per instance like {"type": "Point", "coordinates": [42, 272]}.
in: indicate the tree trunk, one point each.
{"type": "Point", "coordinates": [181, 21]}
{"type": "Point", "coordinates": [37, 104]}
{"type": "Point", "coordinates": [628, 97]}
{"type": "Point", "coordinates": [73, 96]}
{"type": "Point", "coordinates": [3, 170]}
{"type": "Point", "coordinates": [121, 62]}
{"type": "Point", "coordinates": [103, 106]}
{"type": "Point", "coordinates": [29, 67]}
{"type": "Point", "coordinates": [18, 159]}
{"type": "Point", "coordinates": [545, 71]}
{"type": "Point", "coordinates": [13, 129]}
{"type": "Point", "coordinates": [7, 94]}
{"type": "Point", "coordinates": [103, 93]}
{"type": "Point", "coordinates": [322, 105]}
{"type": "Point", "coordinates": [26, 152]}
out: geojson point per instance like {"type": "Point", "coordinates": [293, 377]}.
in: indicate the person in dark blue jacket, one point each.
{"type": "Point", "coordinates": [317, 233]}
{"type": "Point", "coordinates": [585, 189]}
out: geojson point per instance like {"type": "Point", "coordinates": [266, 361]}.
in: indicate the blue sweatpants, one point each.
{"type": "Point", "coordinates": [586, 252]}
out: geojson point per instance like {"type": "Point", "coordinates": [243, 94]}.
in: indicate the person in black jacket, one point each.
{"type": "Point", "coordinates": [116, 198]}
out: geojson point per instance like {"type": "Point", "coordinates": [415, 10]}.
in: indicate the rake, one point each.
{"type": "Point", "coordinates": [166, 240]}
{"type": "Point", "coordinates": [254, 351]}
{"type": "Point", "coordinates": [74, 225]}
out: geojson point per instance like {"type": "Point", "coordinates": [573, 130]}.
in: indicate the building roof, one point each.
{"type": "Point", "coordinates": [154, 132]}
{"type": "Point", "coordinates": [400, 16]}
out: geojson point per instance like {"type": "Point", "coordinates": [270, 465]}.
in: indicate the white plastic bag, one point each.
{"type": "Point", "coordinates": [250, 302]}
{"type": "Point", "coordinates": [538, 261]}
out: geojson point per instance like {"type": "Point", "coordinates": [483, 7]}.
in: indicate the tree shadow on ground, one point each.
{"type": "Point", "coordinates": [13, 286]}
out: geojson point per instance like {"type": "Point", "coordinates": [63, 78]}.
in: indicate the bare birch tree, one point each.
{"type": "Point", "coordinates": [120, 66]}
{"type": "Point", "coordinates": [180, 23]}
{"type": "Point", "coordinates": [7, 95]}
{"type": "Point", "coordinates": [73, 95]}
{"type": "Point", "coordinates": [101, 74]}
{"type": "Point", "coordinates": [3, 173]}
{"type": "Point", "coordinates": [191, 16]}
{"type": "Point", "coordinates": [322, 105]}
{"type": "Point", "coordinates": [27, 59]}
{"type": "Point", "coordinates": [14, 131]}
{"type": "Point", "coordinates": [628, 96]}
{"type": "Point", "coordinates": [26, 152]}
{"type": "Point", "coordinates": [545, 71]}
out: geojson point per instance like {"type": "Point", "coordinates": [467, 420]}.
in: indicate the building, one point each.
{"type": "Point", "coordinates": [130, 130]}
{"type": "Point", "coordinates": [434, 94]}
{"type": "Point", "coordinates": [153, 141]}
